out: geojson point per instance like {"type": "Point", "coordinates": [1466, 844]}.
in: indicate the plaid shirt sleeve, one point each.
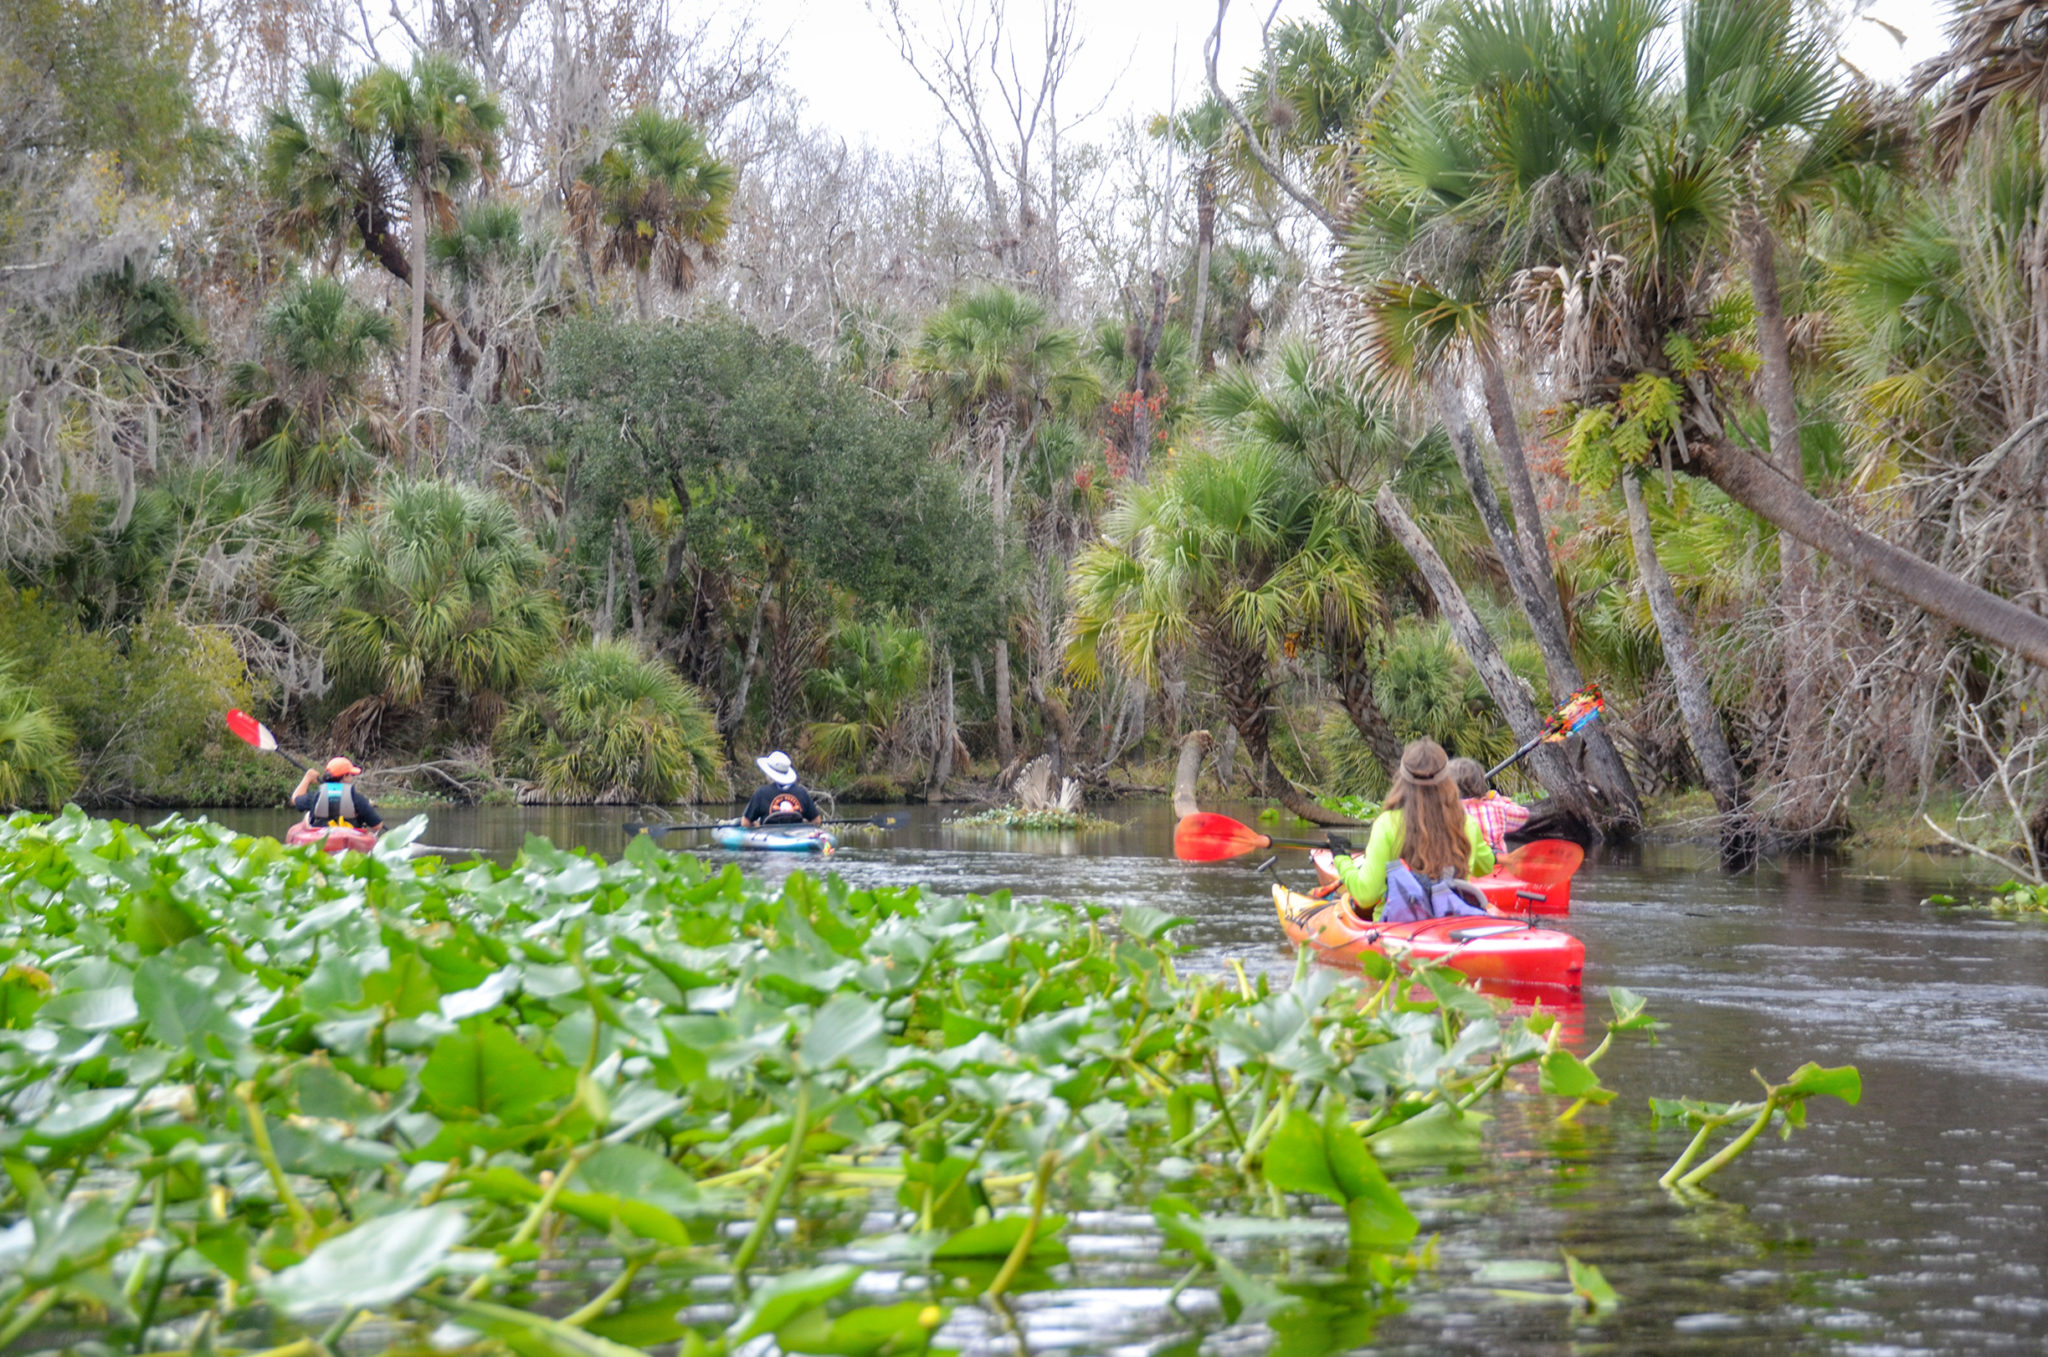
{"type": "Point", "coordinates": [1497, 817]}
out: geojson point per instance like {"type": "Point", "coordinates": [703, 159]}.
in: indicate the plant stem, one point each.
{"type": "Point", "coordinates": [1733, 1148]}
{"type": "Point", "coordinates": [577, 1318]}
{"type": "Point", "coordinates": [1264, 1132]}
{"type": "Point", "coordinates": [535, 1218]}
{"type": "Point", "coordinates": [1012, 1265]}
{"type": "Point", "coordinates": [26, 1320]}
{"type": "Point", "coordinates": [259, 1135]}
{"type": "Point", "coordinates": [1692, 1152]}
{"type": "Point", "coordinates": [785, 1173]}
{"type": "Point", "coordinates": [1223, 1105]}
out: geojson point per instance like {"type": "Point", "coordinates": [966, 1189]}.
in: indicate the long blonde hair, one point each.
{"type": "Point", "coordinates": [1433, 840]}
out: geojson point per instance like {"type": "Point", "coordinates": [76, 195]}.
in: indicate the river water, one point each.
{"type": "Point", "coordinates": [1914, 1222]}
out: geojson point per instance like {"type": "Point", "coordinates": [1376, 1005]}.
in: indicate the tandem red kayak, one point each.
{"type": "Point", "coordinates": [1486, 948]}
{"type": "Point", "coordinates": [1510, 891]}
{"type": "Point", "coordinates": [333, 838]}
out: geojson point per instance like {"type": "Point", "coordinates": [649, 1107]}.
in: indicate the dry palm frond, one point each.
{"type": "Point", "coordinates": [1995, 49]}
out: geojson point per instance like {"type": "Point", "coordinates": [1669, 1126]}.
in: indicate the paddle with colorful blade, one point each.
{"type": "Point", "coordinates": [1574, 714]}
{"type": "Point", "coordinates": [888, 819]}
{"type": "Point", "coordinates": [254, 733]}
{"type": "Point", "coordinates": [1208, 837]}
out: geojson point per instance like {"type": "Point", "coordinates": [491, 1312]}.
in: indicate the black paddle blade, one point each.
{"type": "Point", "coordinates": [891, 819]}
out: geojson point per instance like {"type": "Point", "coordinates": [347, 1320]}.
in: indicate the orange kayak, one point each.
{"type": "Point", "coordinates": [333, 838]}
{"type": "Point", "coordinates": [1507, 893]}
{"type": "Point", "coordinates": [1485, 948]}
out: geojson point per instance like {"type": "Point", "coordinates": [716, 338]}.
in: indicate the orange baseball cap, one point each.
{"type": "Point", "coordinates": [341, 767]}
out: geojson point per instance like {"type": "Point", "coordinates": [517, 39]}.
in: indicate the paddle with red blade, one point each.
{"type": "Point", "coordinates": [1574, 714]}
{"type": "Point", "coordinates": [257, 735]}
{"type": "Point", "coordinates": [1207, 837]}
{"type": "Point", "coordinates": [1545, 862]}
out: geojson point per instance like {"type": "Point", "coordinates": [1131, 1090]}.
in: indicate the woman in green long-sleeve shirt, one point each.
{"type": "Point", "coordinates": [1423, 823]}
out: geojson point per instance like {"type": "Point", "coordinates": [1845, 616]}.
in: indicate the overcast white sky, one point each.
{"type": "Point", "coordinates": [838, 57]}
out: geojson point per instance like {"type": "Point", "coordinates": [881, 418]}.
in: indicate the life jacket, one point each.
{"type": "Point", "coordinates": [336, 806]}
{"type": "Point", "coordinates": [1410, 899]}
{"type": "Point", "coordinates": [784, 808]}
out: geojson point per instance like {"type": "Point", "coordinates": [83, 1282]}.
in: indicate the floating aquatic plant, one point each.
{"type": "Point", "coordinates": [254, 1097]}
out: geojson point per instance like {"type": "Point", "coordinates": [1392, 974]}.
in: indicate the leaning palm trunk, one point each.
{"type": "Point", "coordinates": [1551, 767]}
{"type": "Point", "coordinates": [1695, 698]}
{"type": "Point", "coordinates": [1531, 579]}
{"type": "Point", "coordinates": [1765, 491]}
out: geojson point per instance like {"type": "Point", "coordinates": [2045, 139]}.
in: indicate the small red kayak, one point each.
{"type": "Point", "coordinates": [1485, 948]}
{"type": "Point", "coordinates": [1534, 879]}
{"type": "Point", "coordinates": [333, 838]}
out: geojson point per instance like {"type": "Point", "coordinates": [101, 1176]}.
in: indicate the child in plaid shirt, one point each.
{"type": "Point", "coordinates": [1497, 816]}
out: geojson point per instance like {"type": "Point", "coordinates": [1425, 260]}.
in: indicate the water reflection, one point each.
{"type": "Point", "coordinates": [1917, 1221]}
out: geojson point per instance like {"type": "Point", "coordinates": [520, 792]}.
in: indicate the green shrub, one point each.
{"type": "Point", "coordinates": [1427, 688]}
{"type": "Point", "coordinates": [36, 767]}
{"type": "Point", "coordinates": [601, 723]}
{"type": "Point", "coordinates": [141, 706]}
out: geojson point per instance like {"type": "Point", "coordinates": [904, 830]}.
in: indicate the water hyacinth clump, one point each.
{"type": "Point", "coordinates": [254, 1097]}
{"type": "Point", "coordinates": [1035, 821]}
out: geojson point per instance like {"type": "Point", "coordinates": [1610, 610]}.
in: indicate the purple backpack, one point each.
{"type": "Point", "coordinates": [1411, 900]}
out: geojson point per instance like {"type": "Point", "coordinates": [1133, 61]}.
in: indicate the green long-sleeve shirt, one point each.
{"type": "Point", "coordinates": [1365, 876]}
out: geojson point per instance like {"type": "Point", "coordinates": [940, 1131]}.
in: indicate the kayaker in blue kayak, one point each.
{"type": "Point", "coordinates": [336, 802]}
{"type": "Point", "coordinates": [783, 801]}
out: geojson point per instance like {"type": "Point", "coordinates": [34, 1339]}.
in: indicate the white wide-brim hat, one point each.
{"type": "Point", "coordinates": [778, 768]}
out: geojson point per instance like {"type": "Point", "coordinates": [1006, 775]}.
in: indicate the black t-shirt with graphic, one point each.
{"type": "Point", "coordinates": [781, 806]}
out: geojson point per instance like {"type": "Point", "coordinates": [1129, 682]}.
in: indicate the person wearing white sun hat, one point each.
{"type": "Point", "coordinates": [783, 801]}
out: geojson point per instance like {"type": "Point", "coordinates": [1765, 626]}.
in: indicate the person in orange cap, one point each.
{"type": "Point", "coordinates": [336, 800]}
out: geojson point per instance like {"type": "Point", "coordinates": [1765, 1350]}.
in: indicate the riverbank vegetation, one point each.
{"type": "Point", "coordinates": [557, 409]}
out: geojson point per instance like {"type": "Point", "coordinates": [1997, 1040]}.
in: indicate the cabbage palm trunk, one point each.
{"type": "Point", "coordinates": [1695, 695]}
{"type": "Point", "coordinates": [1548, 762]}
{"type": "Point", "coordinates": [1526, 558]}
{"type": "Point", "coordinates": [416, 320]}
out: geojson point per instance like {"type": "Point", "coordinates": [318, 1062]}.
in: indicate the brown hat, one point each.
{"type": "Point", "coordinates": [1423, 762]}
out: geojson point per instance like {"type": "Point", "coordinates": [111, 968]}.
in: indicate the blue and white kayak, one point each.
{"type": "Point", "coordinates": [774, 839]}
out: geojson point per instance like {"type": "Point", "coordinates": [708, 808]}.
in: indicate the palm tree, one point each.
{"type": "Point", "coordinates": [1349, 443]}
{"type": "Point", "coordinates": [872, 670]}
{"type": "Point", "coordinates": [657, 202]}
{"type": "Point", "coordinates": [305, 410]}
{"type": "Point", "coordinates": [604, 724]}
{"type": "Point", "coordinates": [440, 131]}
{"type": "Point", "coordinates": [1224, 562]}
{"type": "Point", "coordinates": [434, 596]}
{"type": "Point", "coordinates": [998, 366]}
{"type": "Point", "coordinates": [337, 184]}
{"type": "Point", "coordinates": [37, 767]}
{"type": "Point", "coordinates": [332, 177]}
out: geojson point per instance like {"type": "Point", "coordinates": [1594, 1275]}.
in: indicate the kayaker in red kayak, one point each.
{"type": "Point", "coordinates": [336, 800]}
{"type": "Point", "coordinates": [1498, 817]}
{"type": "Point", "coordinates": [1423, 827]}
{"type": "Point", "coordinates": [783, 801]}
